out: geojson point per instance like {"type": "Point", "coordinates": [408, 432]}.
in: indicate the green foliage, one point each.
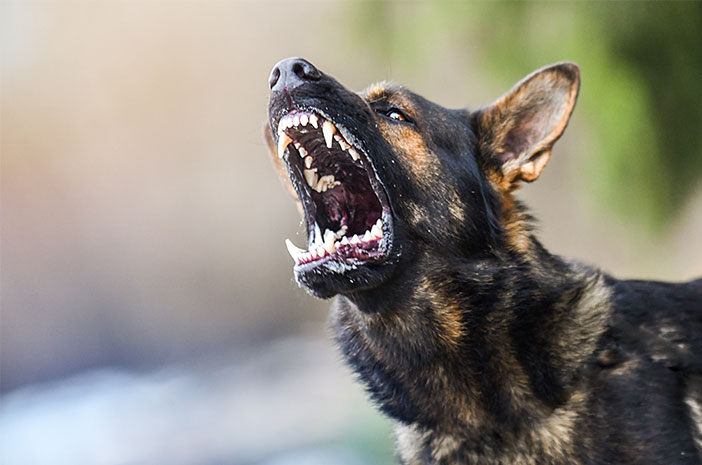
{"type": "Point", "coordinates": [641, 65]}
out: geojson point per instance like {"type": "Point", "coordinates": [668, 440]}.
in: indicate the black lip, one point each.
{"type": "Point", "coordinates": [339, 261]}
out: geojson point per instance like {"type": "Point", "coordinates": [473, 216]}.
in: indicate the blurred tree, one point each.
{"type": "Point", "coordinates": [641, 63]}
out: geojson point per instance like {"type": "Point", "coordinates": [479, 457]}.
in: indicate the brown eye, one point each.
{"type": "Point", "coordinates": [396, 115]}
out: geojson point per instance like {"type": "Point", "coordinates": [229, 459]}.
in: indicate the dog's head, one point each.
{"type": "Point", "coordinates": [385, 177]}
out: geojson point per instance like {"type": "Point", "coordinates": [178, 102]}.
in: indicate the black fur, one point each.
{"type": "Point", "coordinates": [483, 346]}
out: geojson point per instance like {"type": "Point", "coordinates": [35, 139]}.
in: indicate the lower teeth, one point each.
{"type": "Point", "coordinates": [327, 244]}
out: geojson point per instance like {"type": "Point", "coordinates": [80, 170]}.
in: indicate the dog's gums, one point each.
{"type": "Point", "coordinates": [346, 209]}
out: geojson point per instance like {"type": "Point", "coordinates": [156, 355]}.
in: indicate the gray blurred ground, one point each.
{"type": "Point", "coordinates": [148, 312]}
{"type": "Point", "coordinates": [291, 403]}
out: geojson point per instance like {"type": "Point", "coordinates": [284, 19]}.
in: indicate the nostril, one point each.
{"type": "Point", "coordinates": [275, 75]}
{"type": "Point", "coordinates": [312, 72]}
{"type": "Point", "coordinates": [299, 70]}
{"type": "Point", "coordinates": [305, 71]}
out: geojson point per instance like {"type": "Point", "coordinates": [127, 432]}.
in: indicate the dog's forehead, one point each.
{"type": "Point", "coordinates": [386, 91]}
{"type": "Point", "coordinates": [413, 104]}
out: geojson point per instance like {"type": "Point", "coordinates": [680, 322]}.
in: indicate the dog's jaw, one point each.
{"type": "Point", "coordinates": [330, 162]}
{"type": "Point", "coordinates": [345, 206]}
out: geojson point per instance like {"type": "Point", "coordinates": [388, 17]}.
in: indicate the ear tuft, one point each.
{"type": "Point", "coordinates": [517, 132]}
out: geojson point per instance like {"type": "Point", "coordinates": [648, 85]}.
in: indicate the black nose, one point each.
{"type": "Point", "coordinates": [292, 72]}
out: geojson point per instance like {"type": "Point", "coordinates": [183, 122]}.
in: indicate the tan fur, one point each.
{"type": "Point", "coordinates": [536, 112]}
{"type": "Point", "coordinates": [578, 339]}
{"type": "Point", "coordinates": [515, 224]}
{"type": "Point", "coordinates": [554, 436]}
{"type": "Point", "coordinates": [376, 91]}
{"type": "Point", "coordinates": [449, 314]}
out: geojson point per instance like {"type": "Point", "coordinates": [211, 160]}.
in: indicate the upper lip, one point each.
{"type": "Point", "coordinates": [301, 128]}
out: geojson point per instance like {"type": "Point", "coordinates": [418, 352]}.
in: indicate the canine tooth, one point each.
{"type": "Point", "coordinates": [308, 161]}
{"type": "Point", "coordinates": [283, 142]}
{"type": "Point", "coordinates": [328, 235]}
{"type": "Point", "coordinates": [317, 235]}
{"type": "Point", "coordinates": [329, 239]}
{"type": "Point", "coordinates": [353, 153]}
{"type": "Point", "coordinates": [304, 119]}
{"type": "Point", "coordinates": [314, 121]}
{"type": "Point", "coordinates": [376, 231]}
{"type": "Point", "coordinates": [366, 237]}
{"type": "Point", "coordinates": [355, 239]}
{"type": "Point", "coordinates": [303, 152]}
{"type": "Point", "coordinates": [294, 251]}
{"type": "Point", "coordinates": [311, 177]}
{"type": "Point", "coordinates": [328, 129]}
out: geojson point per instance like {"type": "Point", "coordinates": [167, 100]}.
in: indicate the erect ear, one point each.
{"type": "Point", "coordinates": [279, 165]}
{"type": "Point", "coordinates": [516, 133]}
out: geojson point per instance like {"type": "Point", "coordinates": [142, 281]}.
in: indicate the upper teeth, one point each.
{"type": "Point", "coordinates": [327, 243]}
{"type": "Point", "coordinates": [329, 131]}
{"type": "Point", "coordinates": [311, 177]}
{"type": "Point", "coordinates": [342, 142]}
{"type": "Point", "coordinates": [283, 141]}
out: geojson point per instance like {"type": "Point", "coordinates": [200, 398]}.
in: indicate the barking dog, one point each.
{"type": "Point", "coordinates": [480, 344]}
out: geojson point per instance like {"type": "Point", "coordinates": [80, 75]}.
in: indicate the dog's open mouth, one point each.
{"type": "Point", "coordinates": [346, 208]}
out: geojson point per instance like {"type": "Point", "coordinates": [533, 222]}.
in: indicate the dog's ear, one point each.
{"type": "Point", "coordinates": [516, 133]}
{"type": "Point", "coordinates": [279, 165]}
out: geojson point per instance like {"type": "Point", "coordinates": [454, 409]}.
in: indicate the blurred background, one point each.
{"type": "Point", "coordinates": [148, 312]}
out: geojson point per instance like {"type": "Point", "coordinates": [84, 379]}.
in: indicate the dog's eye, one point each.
{"type": "Point", "coordinates": [395, 114]}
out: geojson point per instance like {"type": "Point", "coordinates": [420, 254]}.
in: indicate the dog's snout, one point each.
{"type": "Point", "coordinates": [291, 73]}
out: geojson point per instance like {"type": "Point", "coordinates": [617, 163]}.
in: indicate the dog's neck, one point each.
{"type": "Point", "coordinates": [467, 347]}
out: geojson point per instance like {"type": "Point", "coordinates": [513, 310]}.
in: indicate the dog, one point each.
{"type": "Point", "coordinates": [482, 346]}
